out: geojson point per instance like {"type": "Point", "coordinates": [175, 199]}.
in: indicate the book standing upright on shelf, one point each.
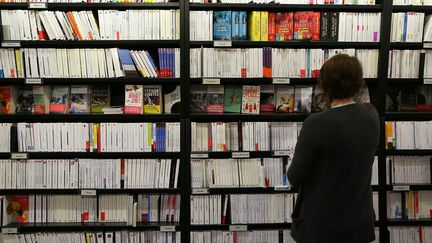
{"type": "Point", "coordinates": [133, 99]}
{"type": "Point", "coordinates": [251, 99]}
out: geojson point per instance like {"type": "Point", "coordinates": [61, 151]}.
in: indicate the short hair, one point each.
{"type": "Point", "coordinates": [341, 77]}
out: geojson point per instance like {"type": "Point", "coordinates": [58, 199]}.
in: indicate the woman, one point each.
{"type": "Point", "coordinates": [332, 163]}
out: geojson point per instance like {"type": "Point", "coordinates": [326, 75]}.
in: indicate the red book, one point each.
{"type": "Point", "coordinates": [307, 26]}
{"type": "Point", "coordinates": [271, 26]}
{"type": "Point", "coordinates": [284, 26]}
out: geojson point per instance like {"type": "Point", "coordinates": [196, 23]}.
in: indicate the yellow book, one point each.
{"type": "Point", "coordinates": [152, 99]}
{"type": "Point", "coordinates": [19, 66]}
{"type": "Point", "coordinates": [95, 135]}
{"type": "Point", "coordinates": [264, 26]}
{"type": "Point", "coordinates": [255, 26]}
{"type": "Point", "coordinates": [390, 137]}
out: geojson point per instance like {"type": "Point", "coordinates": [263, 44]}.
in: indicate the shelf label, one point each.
{"type": "Point", "coordinates": [282, 188]}
{"type": "Point", "coordinates": [90, 193]}
{"type": "Point", "coordinates": [37, 6]}
{"type": "Point", "coordinates": [427, 81]}
{"type": "Point", "coordinates": [427, 45]}
{"type": "Point", "coordinates": [237, 155]}
{"type": "Point", "coordinates": [281, 81]}
{"type": "Point", "coordinates": [211, 81]}
{"type": "Point", "coordinates": [401, 188]}
{"type": "Point", "coordinates": [238, 228]}
{"type": "Point", "coordinates": [11, 44]}
{"type": "Point", "coordinates": [222, 43]}
{"type": "Point", "coordinates": [9, 230]}
{"type": "Point", "coordinates": [200, 191]}
{"type": "Point", "coordinates": [19, 155]}
{"type": "Point", "coordinates": [168, 228]}
{"type": "Point", "coordinates": [199, 156]}
{"type": "Point", "coordinates": [33, 81]}
{"type": "Point", "coordinates": [281, 153]}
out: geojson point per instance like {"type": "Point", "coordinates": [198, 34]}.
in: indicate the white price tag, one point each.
{"type": "Point", "coordinates": [200, 191]}
{"type": "Point", "coordinates": [211, 81]}
{"type": "Point", "coordinates": [237, 155]}
{"type": "Point", "coordinates": [427, 81]}
{"type": "Point", "coordinates": [168, 228]}
{"type": "Point", "coordinates": [11, 44]}
{"type": "Point", "coordinates": [238, 227]}
{"type": "Point", "coordinates": [427, 45]}
{"type": "Point", "coordinates": [222, 43]}
{"type": "Point", "coordinates": [9, 230]}
{"type": "Point", "coordinates": [37, 6]}
{"type": "Point", "coordinates": [33, 81]}
{"type": "Point", "coordinates": [401, 188]}
{"type": "Point", "coordinates": [88, 193]}
{"type": "Point", "coordinates": [281, 81]}
{"type": "Point", "coordinates": [281, 153]}
{"type": "Point", "coordinates": [282, 188]}
{"type": "Point", "coordinates": [19, 155]}
{"type": "Point", "coordinates": [199, 156]}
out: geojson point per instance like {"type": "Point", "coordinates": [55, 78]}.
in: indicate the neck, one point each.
{"type": "Point", "coordinates": [341, 102]}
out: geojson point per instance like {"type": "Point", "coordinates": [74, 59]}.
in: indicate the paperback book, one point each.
{"type": "Point", "coordinates": [25, 100]}
{"type": "Point", "coordinates": [152, 99]}
{"type": "Point", "coordinates": [79, 99]}
{"type": "Point", "coordinates": [233, 97]}
{"type": "Point", "coordinates": [215, 99]}
{"type": "Point", "coordinates": [7, 100]}
{"type": "Point", "coordinates": [267, 98]}
{"type": "Point", "coordinates": [41, 96]}
{"type": "Point", "coordinates": [59, 99]}
{"type": "Point", "coordinates": [133, 99]}
{"type": "Point", "coordinates": [100, 98]}
{"type": "Point", "coordinates": [199, 98]}
{"type": "Point", "coordinates": [285, 99]}
{"type": "Point", "coordinates": [251, 99]}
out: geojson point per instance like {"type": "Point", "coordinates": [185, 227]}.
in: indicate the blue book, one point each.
{"type": "Point", "coordinates": [235, 25]}
{"type": "Point", "coordinates": [170, 62]}
{"type": "Point", "coordinates": [163, 137]}
{"type": "Point", "coordinates": [161, 66]}
{"type": "Point", "coordinates": [222, 25]}
{"type": "Point", "coordinates": [152, 62]}
{"type": "Point", "coordinates": [405, 27]}
{"type": "Point", "coordinates": [127, 63]}
{"type": "Point", "coordinates": [242, 25]}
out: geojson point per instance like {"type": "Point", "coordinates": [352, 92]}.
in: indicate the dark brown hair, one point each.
{"type": "Point", "coordinates": [341, 77]}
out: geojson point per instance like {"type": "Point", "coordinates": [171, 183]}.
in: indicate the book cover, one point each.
{"type": "Point", "coordinates": [133, 99]}
{"type": "Point", "coordinates": [7, 100]}
{"type": "Point", "coordinates": [17, 209]}
{"type": "Point", "coordinates": [25, 100]}
{"type": "Point", "coordinates": [267, 98]}
{"type": "Point", "coordinates": [215, 95]}
{"type": "Point", "coordinates": [199, 98]}
{"type": "Point", "coordinates": [264, 26]}
{"type": "Point", "coordinates": [307, 25]}
{"type": "Point", "coordinates": [235, 25]}
{"type": "Point", "coordinates": [284, 26]}
{"type": "Point", "coordinates": [233, 97]}
{"type": "Point", "coordinates": [100, 98]}
{"type": "Point", "coordinates": [303, 99]}
{"type": "Point", "coordinates": [59, 99]}
{"type": "Point", "coordinates": [127, 63]}
{"type": "Point", "coordinates": [255, 26]}
{"type": "Point", "coordinates": [325, 26]}
{"type": "Point", "coordinates": [243, 25]}
{"type": "Point", "coordinates": [251, 99]}
{"type": "Point", "coordinates": [172, 101]}
{"type": "Point", "coordinates": [79, 99]}
{"type": "Point", "coordinates": [272, 26]}
{"type": "Point", "coordinates": [333, 28]}
{"type": "Point", "coordinates": [363, 95]}
{"type": "Point", "coordinates": [222, 25]}
{"type": "Point", "coordinates": [408, 99]}
{"type": "Point", "coordinates": [152, 99]}
{"type": "Point", "coordinates": [319, 100]}
{"type": "Point", "coordinates": [41, 97]}
{"type": "Point", "coordinates": [284, 99]}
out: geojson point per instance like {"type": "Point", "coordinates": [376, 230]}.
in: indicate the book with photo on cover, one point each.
{"type": "Point", "coordinates": [303, 99]}
{"type": "Point", "coordinates": [7, 100]}
{"type": "Point", "coordinates": [267, 98]}
{"type": "Point", "coordinates": [100, 98]}
{"type": "Point", "coordinates": [59, 99]}
{"type": "Point", "coordinates": [152, 99]}
{"type": "Point", "coordinates": [233, 97]}
{"type": "Point", "coordinates": [199, 99]}
{"type": "Point", "coordinates": [285, 99]}
{"type": "Point", "coordinates": [215, 95]}
{"type": "Point", "coordinates": [133, 99]}
{"type": "Point", "coordinates": [25, 100]}
{"type": "Point", "coordinates": [79, 99]}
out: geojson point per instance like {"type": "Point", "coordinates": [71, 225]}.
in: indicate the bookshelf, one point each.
{"type": "Point", "coordinates": [378, 86]}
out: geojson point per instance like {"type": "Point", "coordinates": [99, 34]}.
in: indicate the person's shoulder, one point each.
{"type": "Point", "coordinates": [313, 119]}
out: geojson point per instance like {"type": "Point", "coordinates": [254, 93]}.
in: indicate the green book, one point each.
{"type": "Point", "coordinates": [233, 98]}
{"type": "Point", "coordinates": [100, 98]}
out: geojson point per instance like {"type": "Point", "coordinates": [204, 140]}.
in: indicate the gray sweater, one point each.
{"type": "Point", "coordinates": [332, 168]}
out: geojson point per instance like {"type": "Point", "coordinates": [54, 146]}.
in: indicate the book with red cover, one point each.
{"type": "Point", "coordinates": [307, 26]}
{"type": "Point", "coordinates": [17, 209]}
{"type": "Point", "coordinates": [284, 26]}
{"type": "Point", "coordinates": [271, 26]}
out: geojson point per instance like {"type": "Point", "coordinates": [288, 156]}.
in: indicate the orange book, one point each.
{"type": "Point", "coordinates": [74, 25]}
{"type": "Point", "coordinates": [390, 135]}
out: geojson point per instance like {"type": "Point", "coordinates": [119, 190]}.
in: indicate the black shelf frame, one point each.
{"type": "Point", "coordinates": [132, 44]}
{"type": "Point", "coordinates": [93, 81]}
{"type": "Point", "coordinates": [227, 117]}
{"type": "Point", "coordinates": [406, 222]}
{"type": "Point", "coordinates": [412, 187]}
{"type": "Point", "coordinates": [410, 8]}
{"type": "Point", "coordinates": [95, 155]}
{"type": "Point", "coordinates": [98, 191]}
{"type": "Point", "coordinates": [94, 6]}
{"type": "Point", "coordinates": [262, 81]}
{"type": "Point", "coordinates": [409, 152]}
{"type": "Point", "coordinates": [291, 44]}
{"type": "Point", "coordinates": [90, 118]}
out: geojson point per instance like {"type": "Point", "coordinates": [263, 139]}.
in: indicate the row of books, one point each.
{"type": "Point", "coordinates": [409, 205]}
{"type": "Point", "coordinates": [92, 1]}
{"type": "Point", "coordinates": [5, 137]}
{"type": "Point", "coordinates": [82, 25]}
{"type": "Point", "coordinates": [404, 63]}
{"type": "Point", "coordinates": [410, 170]}
{"type": "Point", "coordinates": [100, 137]}
{"type": "Point", "coordinates": [412, 2]}
{"type": "Point", "coordinates": [89, 63]}
{"type": "Point", "coordinates": [249, 236]}
{"type": "Point", "coordinates": [408, 134]}
{"type": "Point", "coordinates": [408, 27]}
{"type": "Point", "coordinates": [287, 26]}
{"type": "Point", "coordinates": [244, 136]}
{"type": "Point", "coordinates": [105, 208]}
{"type": "Point", "coordinates": [410, 98]}
{"type": "Point", "coordinates": [335, 2]}
{"type": "Point", "coordinates": [428, 64]}
{"type": "Point", "coordinates": [410, 234]}
{"type": "Point", "coordinates": [248, 99]}
{"type": "Point", "coordinates": [89, 173]}
{"type": "Point", "coordinates": [271, 62]}
{"type": "Point", "coordinates": [214, 173]}
{"type": "Point", "coordinates": [241, 208]}
{"type": "Point", "coordinates": [88, 237]}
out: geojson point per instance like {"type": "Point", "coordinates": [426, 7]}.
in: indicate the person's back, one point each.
{"type": "Point", "coordinates": [332, 167]}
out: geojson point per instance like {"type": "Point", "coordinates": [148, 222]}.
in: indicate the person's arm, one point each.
{"type": "Point", "coordinates": [305, 155]}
